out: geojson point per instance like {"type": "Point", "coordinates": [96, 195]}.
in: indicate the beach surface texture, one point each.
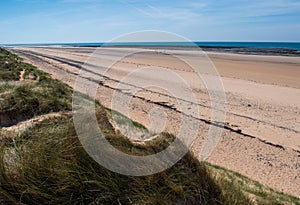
{"type": "Point", "coordinates": [261, 137]}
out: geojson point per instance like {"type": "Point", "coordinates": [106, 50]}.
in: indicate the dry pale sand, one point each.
{"type": "Point", "coordinates": [261, 137]}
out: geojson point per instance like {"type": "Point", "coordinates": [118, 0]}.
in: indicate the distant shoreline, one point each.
{"type": "Point", "coordinates": [249, 48]}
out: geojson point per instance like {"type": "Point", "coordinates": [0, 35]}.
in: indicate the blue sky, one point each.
{"type": "Point", "coordinates": [49, 21]}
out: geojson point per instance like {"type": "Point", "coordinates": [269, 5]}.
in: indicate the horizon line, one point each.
{"type": "Point", "coordinates": [107, 42]}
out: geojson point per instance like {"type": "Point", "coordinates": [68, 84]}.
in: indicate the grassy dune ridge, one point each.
{"type": "Point", "coordinates": [44, 163]}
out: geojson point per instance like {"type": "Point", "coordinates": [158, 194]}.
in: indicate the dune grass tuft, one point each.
{"type": "Point", "coordinates": [51, 167]}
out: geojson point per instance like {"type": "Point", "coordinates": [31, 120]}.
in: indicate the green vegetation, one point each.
{"type": "Point", "coordinates": [46, 164]}
{"type": "Point", "coordinates": [50, 167]}
{"type": "Point", "coordinates": [261, 194]}
{"type": "Point", "coordinates": [123, 120]}
{"type": "Point", "coordinates": [25, 101]}
{"type": "Point", "coordinates": [11, 66]}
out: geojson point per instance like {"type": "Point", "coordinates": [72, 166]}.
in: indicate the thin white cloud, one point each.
{"type": "Point", "coordinates": [254, 8]}
{"type": "Point", "coordinates": [196, 5]}
{"type": "Point", "coordinates": [168, 13]}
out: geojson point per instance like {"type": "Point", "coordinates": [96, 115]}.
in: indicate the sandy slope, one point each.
{"type": "Point", "coordinates": [262, 131]}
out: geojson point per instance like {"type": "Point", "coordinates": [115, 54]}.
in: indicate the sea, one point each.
{"type": "Point", "coordinates": [259, 48]}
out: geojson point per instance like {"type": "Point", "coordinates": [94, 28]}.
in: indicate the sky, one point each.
{"type": "Point", "coordinates": [68, 21]}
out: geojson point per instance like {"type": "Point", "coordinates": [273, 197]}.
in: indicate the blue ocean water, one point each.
{"type": "Point", "coordinates": [262, 45]}
{"type": "Point", "coordinates": [259, 45]}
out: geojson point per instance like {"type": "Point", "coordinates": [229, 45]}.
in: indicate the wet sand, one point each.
{"type": "Point", "coordinates": [261, 137]}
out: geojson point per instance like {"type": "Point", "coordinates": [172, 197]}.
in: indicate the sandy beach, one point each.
{"type": "Point", "coordinates": [261, 137]}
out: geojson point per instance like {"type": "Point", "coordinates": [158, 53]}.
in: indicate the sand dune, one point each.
{"type": "Point", "coordinates": [262, 128]}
